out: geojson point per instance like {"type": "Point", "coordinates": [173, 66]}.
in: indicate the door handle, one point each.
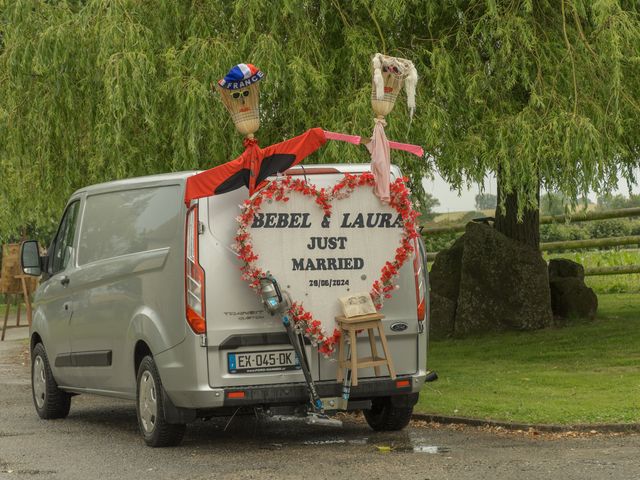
{"type": "Point", "coordinates": [64, 280]}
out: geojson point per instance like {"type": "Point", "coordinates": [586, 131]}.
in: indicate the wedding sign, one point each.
{"type": "Point", "coordinates": [321, 245]}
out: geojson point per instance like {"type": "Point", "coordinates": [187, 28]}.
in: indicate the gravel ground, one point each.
{"type": "Point", "coordinates": [100, 440]}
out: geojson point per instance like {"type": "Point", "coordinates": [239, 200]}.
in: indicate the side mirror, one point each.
{"type": "Point", "coordinates": [30, 258]}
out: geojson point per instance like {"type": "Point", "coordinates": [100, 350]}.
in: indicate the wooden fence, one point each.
{"type": "Point", "coordinates": [569, 244]}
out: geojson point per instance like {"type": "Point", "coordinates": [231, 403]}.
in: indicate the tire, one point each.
{"type": "Point", "coordinates": [150, 409]}
{"type": "Point", "coordinates": [384, 417]}
{"type": "Point", "coordinates": [49, 400]}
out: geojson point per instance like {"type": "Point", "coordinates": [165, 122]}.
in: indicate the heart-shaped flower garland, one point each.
{"type": "Point", "coordinates": [277, 191]}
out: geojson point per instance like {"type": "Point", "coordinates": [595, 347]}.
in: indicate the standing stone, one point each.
{"type": "Point", "coordinates": [570, 296]}
{"type": "Point", "coordinates": [444, 283]}
{"type": "Point", "coordinates": [442, 314]}
{"type": "Point", "coordinates": [504, 284]}
{"type": "Point", "coordinates": [565, 268]}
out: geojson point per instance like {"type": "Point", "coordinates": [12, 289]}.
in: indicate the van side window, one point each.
{"type": "Point", "coordinates": [63, 244]}
{"type": "Point", "coordinates": [123, 222]}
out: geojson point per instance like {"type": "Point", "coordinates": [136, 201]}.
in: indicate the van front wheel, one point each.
{"type": "Point", "coordinates": [150, 409]}
{"type": "Point", "coordinates": [49, 400]}
{"type": "Point", "coordinates": [385, 417]}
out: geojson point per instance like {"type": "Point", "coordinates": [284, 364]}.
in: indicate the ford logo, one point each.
{"type": "Point", "coordinates": [399, 326]}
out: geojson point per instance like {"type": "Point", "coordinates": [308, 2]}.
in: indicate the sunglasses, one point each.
{"type": "Point", "coordinates": [240, 94]}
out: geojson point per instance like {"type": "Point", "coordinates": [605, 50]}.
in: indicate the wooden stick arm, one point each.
{"type": "Point", "coordinates": [357, 140]}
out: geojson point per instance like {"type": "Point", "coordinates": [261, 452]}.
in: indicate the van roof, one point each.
{"type": "Point", "coordinates": [172, 178]}
{"type": "Point", "coordinates": [179, 178]}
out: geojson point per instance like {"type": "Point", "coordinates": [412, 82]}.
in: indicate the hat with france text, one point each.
{"type": "Point", "coordinates": [241, 76]}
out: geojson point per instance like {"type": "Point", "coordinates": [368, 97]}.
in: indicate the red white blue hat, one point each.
{"type": "Point", "coordinates": [241, 76]}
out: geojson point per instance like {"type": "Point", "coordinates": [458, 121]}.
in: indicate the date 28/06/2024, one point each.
{"type": "Point", "coordinates": [329, 282]}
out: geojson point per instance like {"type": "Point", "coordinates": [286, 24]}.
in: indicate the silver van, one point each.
{"type": "Point", "coordinates": [120, 312]}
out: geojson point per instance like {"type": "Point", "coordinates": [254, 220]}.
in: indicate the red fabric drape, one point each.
{"type": "Point", "coordinates": [254, 165]}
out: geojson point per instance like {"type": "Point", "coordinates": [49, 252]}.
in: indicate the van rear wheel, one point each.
{"type": "Point", "coordinates": [385, 417]}
{"type": "Point", "coordinates": [49, 400]}
{"type": "Point", "coordinates": [150, 409]}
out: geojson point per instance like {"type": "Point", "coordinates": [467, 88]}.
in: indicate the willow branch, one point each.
{"type": "Point", "coordinates": [573, 64]}
{"type": "Point", "coordinates": [384, 44]}
{"type": "Point", "coordinates": [576, 20]}
{"type": "Point", "coordinates": [336, 5]}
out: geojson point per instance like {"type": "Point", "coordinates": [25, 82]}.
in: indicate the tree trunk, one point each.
{"type": "Point", "coordinates": [527, 231]}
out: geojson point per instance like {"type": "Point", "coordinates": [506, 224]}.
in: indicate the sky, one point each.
{"type": "Point", "coordinates": [451, 201]}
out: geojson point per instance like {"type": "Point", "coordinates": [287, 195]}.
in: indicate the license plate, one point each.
{"type": "Point", "coordinates": [257, 362]}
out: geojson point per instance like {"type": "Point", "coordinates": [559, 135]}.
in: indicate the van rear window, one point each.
{"type": "Point", "coordinates": [129, 221]}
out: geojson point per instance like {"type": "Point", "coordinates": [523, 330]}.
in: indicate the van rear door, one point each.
{"type": "Point", "coordinates": [243, 340]}
{"type": "Point", "coordinates": [400, 311]}
{"type": "Point", "coordinates": [245, 345]}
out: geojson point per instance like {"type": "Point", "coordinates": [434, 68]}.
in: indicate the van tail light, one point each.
{"type": "Point", "coordinates": [194, 276]}
{"type": "Point", "coordinates": [421, 284]}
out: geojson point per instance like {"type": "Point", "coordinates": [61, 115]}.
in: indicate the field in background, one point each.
{"type": "Point", "coordinates": [456, 217]}
{"type": "Point", "coordinates": [585, 372]}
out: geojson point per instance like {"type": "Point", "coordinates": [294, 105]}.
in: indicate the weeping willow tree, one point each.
{"type": "Point", "coordinates": [539, 92]}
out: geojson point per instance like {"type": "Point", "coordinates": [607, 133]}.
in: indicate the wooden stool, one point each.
{"type": "Point", "coordinates": [351, 326]}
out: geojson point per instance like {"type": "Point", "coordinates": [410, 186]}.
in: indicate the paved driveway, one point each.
{"type": "Point", "coordinates": [99, 440]}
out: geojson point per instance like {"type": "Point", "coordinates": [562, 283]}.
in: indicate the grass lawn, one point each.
{"type": "Point", "coordinates": [587, 372]}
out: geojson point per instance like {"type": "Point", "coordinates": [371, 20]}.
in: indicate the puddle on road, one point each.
{"type": "Point", "coordinates": [433, 449]}
{"type": "Point", "coordinates": [334, 441]}
{"type": "Point", "coordinates": [324, 442]}
{"type": "Point", "coordinates": [15, 434]}
{"type": "Point", "coordinates": [409, 444]}
{"type": "Point", "coordinates": [359, 441]}
{"type": "Point", "coordinates": [282, 419]}
{"type": "Point", "coordinates": [383, 442]}
{"type": "Point", "coordinates": [394, 444]}
{"type": "Point", "coordinates": [430, 449]}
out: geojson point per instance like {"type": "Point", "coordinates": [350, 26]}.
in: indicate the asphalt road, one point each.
{"type": "Point", "coordinates": [99, 440]}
